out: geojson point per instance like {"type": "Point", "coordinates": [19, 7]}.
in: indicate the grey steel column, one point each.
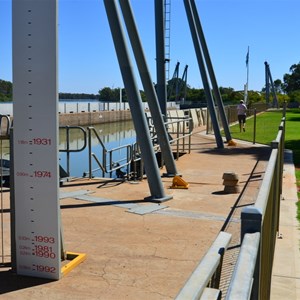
{"type": "Point", "coordinates": [148, 88]}
{"type": "Point", "coordinates": [275, 101]}
{"type": "Point", "coordinates": [135, 103]}
{"type": "Point", "coordinates": [13, 250]}
{"type": "Point", "coordinates": [211, 72]}
{"type": "Point", "coordinates": [206, 86]}
{"type": "Point", "coordinates": [267, 83]}
{"type": "Point", "coordinates": [160, 56]}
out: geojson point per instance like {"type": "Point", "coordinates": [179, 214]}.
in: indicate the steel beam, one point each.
{"type": "Point", "coordinates": [211, 72]}
{"type": "Point", "coordinates": [207, 90]}
{"type": "Point", "coordinates": [160, 56]}
{"type": "Point", "coordinates": [148, 88]}
{"type": "Point", "coordinates": [135, 103]}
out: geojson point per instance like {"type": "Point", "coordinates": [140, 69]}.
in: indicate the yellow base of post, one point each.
{"type": "Point", "coordinates": [179, 183]}
{"type": "Point", "coordinates": [231, 143]}
{"type": "Point", "coordinates": [75, 260]}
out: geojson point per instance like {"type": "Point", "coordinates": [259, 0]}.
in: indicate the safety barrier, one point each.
{"type": "Point", "coordinates": [242, 278]}
{"type": "Point", "coordinates": [67, 142]}
{"type": "Point", "coordinates": [5, 125]}
{"type": "Point", "coordinates": [65, 107]}
{"type": "Point", "coordinates": [108, 164]}
{"type": "Point", "coordinates": [131, 158]}
{"type": "Point", "coordinates": [180, 125]}
{"type": "Point", "coordinates": [231, 114]}
{"type": "Point", "coordinates": [262, 218]}
{"type": "Point", "coordinates": [208, 272]}
{"type": "Point", "coordinates": [252, 275]}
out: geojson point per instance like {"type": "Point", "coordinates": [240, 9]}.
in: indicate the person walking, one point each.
{"type": "Point", "coordinates": [241, 111]}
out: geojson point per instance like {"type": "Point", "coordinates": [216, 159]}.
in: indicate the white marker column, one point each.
{"type": "Point", "coordinates": [35, 127]}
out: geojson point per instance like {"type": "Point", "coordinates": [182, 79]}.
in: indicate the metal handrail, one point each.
{"type": "Point", "coordinates": [181, 132]}
{"type": "Point", "coordinates": [68, 129]}
{"type": "Point", "coordinates": [263, 217]}
{"type": "Point", "coordinates": [206, 270]}
{"type": "Point", "coordinates": [242, 279]}
{"type": "Point", "coordinates": [111, 166]}
{"type": "Point", "coordinates": [5, 134]}
{"type": "Point", "coordinates": [68, 150]}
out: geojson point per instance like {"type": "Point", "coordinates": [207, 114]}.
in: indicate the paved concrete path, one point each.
{"type": "Point", "coordinates": [141, 250]}
{"type": "Point", "coordinates": [286, 268]}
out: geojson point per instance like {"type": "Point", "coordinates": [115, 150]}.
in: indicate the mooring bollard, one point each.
{"type": "Point", "coordinates": [230, 180]}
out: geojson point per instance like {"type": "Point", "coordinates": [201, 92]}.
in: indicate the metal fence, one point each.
{"type": "Point", "coordinates": [262, 218]}
{"type": "Point", "coordinates": [65, 107]}
{"type": "Point", "coordinates": [205, 279]}
{"type": "Point", "coordinates": [252, 275]}
{"type": "Point", "coordinates": [231, 114]}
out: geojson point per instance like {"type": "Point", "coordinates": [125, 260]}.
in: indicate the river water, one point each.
{"type": "Point", "coordinates": [111, 134]}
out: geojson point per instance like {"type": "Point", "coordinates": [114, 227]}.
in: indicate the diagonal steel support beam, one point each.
{"type": "Point", "coordinates": [160, 56]}
{"type": "Point", "coordinates": [210, 70]}
{"type": "Point", "coordinates": [156, 112]}
{"type": "Point", "coordinates": [207, 90]}
{"type": "Point", "coordinates": [135, 103]}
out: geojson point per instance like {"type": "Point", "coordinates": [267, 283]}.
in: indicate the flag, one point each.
{"type": "Point", "coordinates": [247, 58]}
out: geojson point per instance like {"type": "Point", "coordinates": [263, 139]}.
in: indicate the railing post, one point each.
{"type": "Point", "coordinates": [68, 148]}
{"type": "Point", "coordinates": [254, 126]}
{"type": "Point", "coordinates": [281, 149]}
{"type": "Point", "coordinates": [284, 109]}
{"type": "Point", "coordinates": [278, 177]}
{"type": "Point", "coordinates": [90, 152]}
{"type": "Point", "coordinates": [251, 222]}
{"type": "Point", "coordinates": [241, 283]}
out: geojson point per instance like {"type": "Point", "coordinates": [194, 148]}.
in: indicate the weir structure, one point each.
{"type": "Point", "coordinates": [37, 244]}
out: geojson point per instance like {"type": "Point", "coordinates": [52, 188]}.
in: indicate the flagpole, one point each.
{"type": "Point", "coordinates": [247, 82]}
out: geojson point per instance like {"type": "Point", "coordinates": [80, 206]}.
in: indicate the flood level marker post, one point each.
{"type": "Point", "coordinates": [35, 151]}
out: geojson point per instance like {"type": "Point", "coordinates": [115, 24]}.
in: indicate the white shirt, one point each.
{"type": "Point", "coordinates": [241, 109]}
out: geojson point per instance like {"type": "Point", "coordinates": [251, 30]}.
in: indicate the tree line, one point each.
{"type": "Point", "coordinates": [287, 90]}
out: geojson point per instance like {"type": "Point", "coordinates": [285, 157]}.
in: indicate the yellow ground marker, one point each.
{"type": "Point", "coordinates": [75, 260]}
{"type": "Point", "coordinates": [179, 183]}
{"type": "Point", "coordinates": [232, 143]}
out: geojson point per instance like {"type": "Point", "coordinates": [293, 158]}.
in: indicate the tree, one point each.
{"type": "Point", "coordinates": [255, 97]}
{"type": "Point", "coordinates": [294, 96]}
{"type": "Point", "coordinates": [291, 82]}
{"type": "Point", "coordinates": [278, 85]}
{"type": "Point", "coordinates": [283, 98]}
{"type": "Point", "coordinates": [5, 90]}
{"type": "Point", "coordinates": [195, 95]}
{"type": "Point", "coordinates": [229, 95]}
{"type": "Point", "coordinates": [107, 94]}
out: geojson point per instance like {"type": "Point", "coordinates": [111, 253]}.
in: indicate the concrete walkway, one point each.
{"type": "Point", "coordinates": [286, 268]}
{"type": "Point", "coordinates": [141, 250]}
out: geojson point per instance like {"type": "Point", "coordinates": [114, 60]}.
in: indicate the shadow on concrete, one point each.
{"type": "Point", "coordinates": [237, 203]}
{"type": "Point", "coordinates": [12, 282]}
{"type": "Point", "coordinates": [260, 153]}
{"type": "Point", "coordinates": [103, 203]}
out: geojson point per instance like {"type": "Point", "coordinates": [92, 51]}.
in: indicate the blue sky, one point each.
{"type": "Point", "coordinates": [87, 59]}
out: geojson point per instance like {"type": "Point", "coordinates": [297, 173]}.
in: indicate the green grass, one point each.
{"type": "Point", "coordinates": [266, 128]}
{"type": "Point", "coordinates": [292, 134]}
{"type": "Point", "coordinates": [298, 209]}
{"type": "Point", "coordinates": [292, 141]}
{"type": "Point", "coordinates": [266, 131]}
{"type": "Point", "coordinates": [298, 181]}
{"type": "Point", "coordinates": [298, 193]}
